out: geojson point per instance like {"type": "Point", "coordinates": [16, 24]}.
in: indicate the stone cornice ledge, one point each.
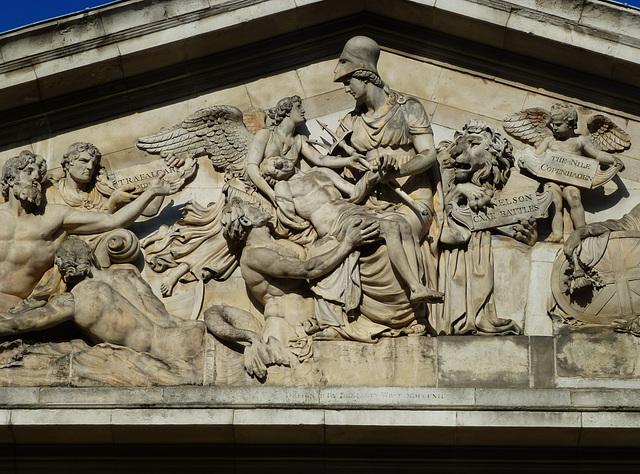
{"type": "Point", "coordinates": [595, 26]}
{"type": "Point", "coordinates": [319, 415]}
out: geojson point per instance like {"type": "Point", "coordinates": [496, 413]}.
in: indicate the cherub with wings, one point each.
{"type": "Point", "coordinates": [555, 131]}
{"type": "Point", "coordinates": [194, 247]}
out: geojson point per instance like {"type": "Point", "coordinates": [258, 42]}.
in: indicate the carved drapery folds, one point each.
{"type": "Point", "coordinates": [365, 232]}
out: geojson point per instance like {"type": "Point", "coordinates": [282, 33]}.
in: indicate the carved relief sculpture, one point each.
{"type": "Point", "coordinates": [595, 280]}
{"type": "Point", "coordinates": [476, 168]}
{"type": "Point", "coordinates": [380, 235]}
{"type": "Point", "coordinates": [564, 159]}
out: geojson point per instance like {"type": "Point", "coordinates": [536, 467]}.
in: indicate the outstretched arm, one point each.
{"type": "Point", "coordinates": [267, 261]}
{"type": "Point", "coordinates": [344, 186]}
{"type": "Point", "coordinates": [589, 230]}
{"type": "Point", "coordinates": [56, 311]}
{"type": "Point", "coordinates": [602, 156]}
{"type": "Point", "coordinates": [83, 222]}
{"type": "Point", "coordinates": [227, 323]}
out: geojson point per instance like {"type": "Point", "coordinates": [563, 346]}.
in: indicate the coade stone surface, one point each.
{"type": "Point", "coordinates": [483, 362]}
{"type": "Point", "coordinates": [596, 353]}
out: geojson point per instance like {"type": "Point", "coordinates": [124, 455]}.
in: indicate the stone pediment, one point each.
{"type": "Point", "coordinates": [186, 90]}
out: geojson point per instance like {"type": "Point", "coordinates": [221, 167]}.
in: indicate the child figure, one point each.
{"type": "Point", "coordinates": [555, 131]}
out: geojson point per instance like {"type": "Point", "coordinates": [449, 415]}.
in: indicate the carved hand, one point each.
{"type": "Point", "coordinates": [526, 231]}
{"type": "Point", "coordinates": [260, 354]}
{"type": "Point", "coordinates": [122, 196]}
{"type": "Point", "coordinates": [385, 163]}
{"type": "Point", "coordinates": [176, 161]}
{"type": "Point", "coordinates": [574, 242]}
{"type": "Point", "coordinates": [361, 233]}
{"type": "Point", "coordinates": [163, 187]}
{"type": "Point", "coordinates": [354, 163]}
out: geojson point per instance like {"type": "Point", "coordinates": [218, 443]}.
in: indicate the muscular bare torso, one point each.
{"type": "Point", "coordinates": [117, 306]}
{"type": "Point", "coordinates": [317, 199]}
{"type": "Point", "coordinates": [27, 246]}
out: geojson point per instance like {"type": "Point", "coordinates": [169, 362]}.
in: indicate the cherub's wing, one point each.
{"type": "Point", "coordinates": [529, 125]}
{"type": "Point", "coordinates": [606, 135]}
{"type": "Point", "coordinates": [218, 132]}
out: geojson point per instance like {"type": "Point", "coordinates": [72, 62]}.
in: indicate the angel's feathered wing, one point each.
{"type": "Point", "coordinates": [606, 135]}
{"type": "Point", "coordinates": [218, 132]}
{"type": "Point", "coordinates": [529, 125]}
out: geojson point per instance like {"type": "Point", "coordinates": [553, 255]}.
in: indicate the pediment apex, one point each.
{"type": "Point", "coordinates": [129, 47]}
{"type": "Point", "coordinates": [184, 31]}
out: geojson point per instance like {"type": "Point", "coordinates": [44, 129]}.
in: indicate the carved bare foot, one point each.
{"type": "Point", "coordinates": [7, 324]}
{"type": "Point", "coordinates": [26, 305]}
{"type": "Point", "coordinates": [555, 238]}
{"type": "Point", "coordinates": [310, 326]}
{"type": "Point", "coordinates": [417, 330]}
{"type": "Point", "coordinates": [170, 281]}
{"type": "Point", "coordinates": [426, 295]}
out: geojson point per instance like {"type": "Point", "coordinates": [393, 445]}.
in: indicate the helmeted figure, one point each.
{"type": "Point", "coordinates": [391, 131]}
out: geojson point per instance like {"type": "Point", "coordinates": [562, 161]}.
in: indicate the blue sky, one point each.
{"type": "Point", "coordinates": [18, 13]}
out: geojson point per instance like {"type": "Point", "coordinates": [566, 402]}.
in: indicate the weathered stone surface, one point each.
{"type": "Point", "coordinates": [98, 396]}
{"type": "Point", "coordinates": [377, 427]}
{"type": "Point", "coordinates": [496, 101]}
{"type": "Point", "coordinates": [395, 397]}
{"type": "Point", "coordinates": [543, 374]}
{"type": "Point", "coordinates": [401, 362]}
{"type": "Point", "coordinates": [512, 277]}
{"type": "Point", "coordinates": [408, 390]}
{"type": "Point", "coordinates": [596, 353]}
{"type": "Point", "coordinates": [265, 93]}
{"type": "Point", "coordinates": [287, 426]}
{"type": "Point", "coordinates": [537, 321]}
{"type": "Point", "coordinates": [483, 362]}
{"type": "Point", "coordinates": [542, 429]}
{"type": "Point", "coordinates": [19, 396]}
{"type": "Point", "coordinates": [61, 426]}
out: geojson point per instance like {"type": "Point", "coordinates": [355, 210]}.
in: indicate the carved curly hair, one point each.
{"type": "Point", "coordinates": [566, 112]}
{"type": "Point", "coordinates": [497, 167]}
{"type": "Point", "coordinates": [13, 166]}
{"type": "Point", "coordinates": [74, 150]}
{"type": "Point", "coordinates": [283, 108]}
{"type": "Point", "coordinates": [69, 257]}
{"type": "Point", "coordinates": [235, 225]}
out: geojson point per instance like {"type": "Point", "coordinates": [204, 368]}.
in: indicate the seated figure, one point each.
{"type": "Point", "coordinates": [387, 275]}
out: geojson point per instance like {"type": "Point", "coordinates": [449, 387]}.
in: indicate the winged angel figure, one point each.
{"type": "Point", "coordinates": [237, 144]}
{"type": "Point", "coordinates": [194, 247]}
{"type": "Point", "coordinates": [566, 159]}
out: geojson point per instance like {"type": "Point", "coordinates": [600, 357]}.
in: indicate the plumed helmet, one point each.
{"type": "Point", "coordinates": [360, 53]}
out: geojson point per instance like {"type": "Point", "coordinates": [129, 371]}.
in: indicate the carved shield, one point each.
{"type": "Point", "coordinates": [618, 298]}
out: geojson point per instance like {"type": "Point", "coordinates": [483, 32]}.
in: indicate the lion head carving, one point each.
{"type": "Point", "coordinates": [478, 154]}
